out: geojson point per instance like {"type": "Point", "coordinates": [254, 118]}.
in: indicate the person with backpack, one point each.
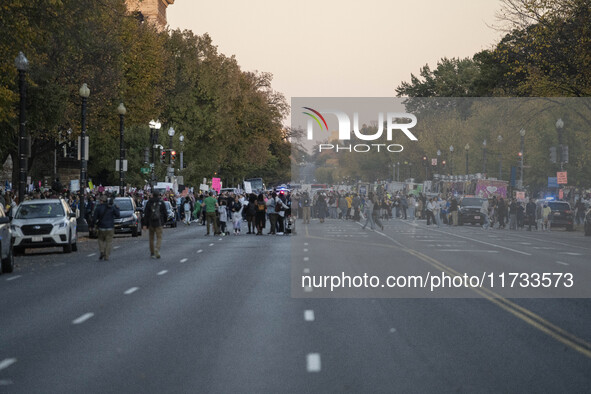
{"type": "Point", "coordinates": [104, 220]}
{"type": "Point", "coordinates": [261, 210]}
{"type": "Point", "coordinates": [154, 218]}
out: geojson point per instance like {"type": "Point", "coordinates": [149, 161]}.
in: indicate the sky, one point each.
{"type": "Point", "coordinates": [330, 48]}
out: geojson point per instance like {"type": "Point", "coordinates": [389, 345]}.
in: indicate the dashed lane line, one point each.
{"type": "Point", "coordinates": [211, 244]}
{"type": "Point", "coordinates": [7, 363]}
{"type": "Point", "coordinates": [83, 318]}
{"type": "Point", "coordinates": [131, 290]}
{"type": "Point", "coordinates": [561, 263]}
{"type": "Point", "coordinates": [162, 272]}
{"type": "Point", "coordinates": [306, 259]}
{"type": "Point", "coordinates": [90, 255]}
{"type": "Point", "coordinates": [313, 362]}
{"type": "Point", "coordinates": [200, 250]}
{"type": "Point", "coordinates": [309, 315]}
{"type": "Point", "coordinates": [14, 277]}
{"type": "Point", "coordinates": [183, 260]}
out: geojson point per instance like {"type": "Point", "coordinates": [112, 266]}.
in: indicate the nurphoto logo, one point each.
{"type": "Point", "coordinates": [392, 123]}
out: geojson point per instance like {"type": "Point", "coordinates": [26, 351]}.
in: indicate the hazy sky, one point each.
{"type": "Point", "coordinates": [331, 48]}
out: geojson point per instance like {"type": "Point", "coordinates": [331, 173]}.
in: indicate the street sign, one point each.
{"type": "Point", "coordinates": [145, 170]}
{"type": "Point", "coordinates": [124, 165]}
{"type": "Point", "coordinates": [433, 162]}
{"type": "Point", "coordinates": [561, 178]}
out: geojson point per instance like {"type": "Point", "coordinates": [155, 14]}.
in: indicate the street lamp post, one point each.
{"type": "Point", "coordinates": [121, 110]}
{"type": "Point", "coordinates": [154, 127]}
{"type": "Point", "coordinates": [22, 65]}
{"type": "Point", "coordinates": [438, 160]}
{"type": "Point", "coordinates": [522, 135]}
{"type": "Point", "coordinates": [182, 140]}
{"type": "Point", "coordinates": [467, 148]}
{"type": "Point", "coordinates": [500, 141]}
{"type": "Point", "coordinates": [82, 225]}
{"type": "Point", "coordinates": [451, 160]}
{"type": "Point", "coordinates": [484, 157]}
{"type": "Point", "coordinates": [559, 127]}
{"type": "Point", "coordinates": [170, 170]}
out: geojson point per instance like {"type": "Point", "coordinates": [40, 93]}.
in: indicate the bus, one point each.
{"type": "Point", "coordinates": [256, 185]}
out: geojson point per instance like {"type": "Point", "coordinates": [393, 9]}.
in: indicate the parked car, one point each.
{"type": "Point", "coordinates": [588, 222]}
{"type": "Point", "coordinates": [171, 216]}
{"type": "Point", "coordinates": [561, 215]}
{"type": "Point", "coordinates": [130, 217]}
{"type": "Point", "coordinates": [6, 256]}
{"type": "Point", "coordinates": [469, 211]}
{"type": "Point", "coordinates": [44, 223]}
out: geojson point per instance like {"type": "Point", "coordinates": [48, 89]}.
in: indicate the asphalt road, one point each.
{"type": "Point", "coordinates": [228, 315]}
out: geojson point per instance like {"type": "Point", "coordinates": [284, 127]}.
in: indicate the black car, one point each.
{"type": "Point", "coordinates": [130, 217]}
{"type": "Point", "coordinates": [469, 211]}
{"type": "Point", "coordinates": [561, 215]}
{"type": "Point", "coordinates": [588, 222]}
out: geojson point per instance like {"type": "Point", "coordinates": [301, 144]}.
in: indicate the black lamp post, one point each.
{"type": "Point", "coordinates": [467, 148]}
{"type": "Point", "coordinates": [484, 157]}
{"type": "Point", "coordinates": [522, 134]}
{"type": "Point", "coordinates": [451, 160]}
{"type": "Point", "coordinates": [22, 65]}
{"type": "Point", "coordinates": [559, 127]}
{"type": "Point", "coordinates": [154, 127]}
{"type": "Point", "coordinates": [182, 139]}
{"type": "Point", "coordinates": [500, 141]}
{"type": "Point", "coordinates": [121, 110]}
{"type": "Point", "coordinates": [82, 225]}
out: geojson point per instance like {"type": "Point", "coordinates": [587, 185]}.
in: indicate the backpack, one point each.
{"type": "Point", "coordinates": [278, 206]}
{"type": "Point", "coordinates": [155, 219]}
{"type": "Point", "coordinates": [260, 206]}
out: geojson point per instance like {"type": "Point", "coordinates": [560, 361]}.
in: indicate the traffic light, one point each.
{"type": "Point", "coordinates": [172, 156]}
{"type": "Point", "coordinates": [443, 163]}
{"type": "Point", "coordinates": [519, 154]}
{"type": "Point", "coordinates": [425, 161]}
{"type": "Point", "coordinates": [162, 156]}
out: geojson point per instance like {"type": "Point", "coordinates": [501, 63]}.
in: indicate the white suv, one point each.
{"type": "Point", "coordinates": [42, 224]}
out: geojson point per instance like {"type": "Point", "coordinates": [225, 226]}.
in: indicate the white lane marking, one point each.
{"type": "Point", "coordinates": [6, 382]}
{"type": "Point", "coordinates": [392, 330]}
{"type": "Point", "coordinates": [183, 260]}
{"type": "Point", "coordinates": [570, 253]}
{"type": "Point", "coordinates": [307, 289]}
{"type": "Point", "coordinates": [482, 242]}
{"type": "Point", "coordinates": [162, 272]}
{"type": "Point", "coordinates": [525, 243]}
{"type": "Point", "coordinates": [131, 290]}
{"type": "Point", "coordinates": [550, 241]}
{"type": "Point", "coordinates": [306, 270]}
{"type": "Point", "coordinates": [306, 259]}
{"type": "Point", "coordinates": [561, 263]}
{"type": "Point", "coordinates": [83, 318]}
{"type": "Point", "coordinates": [200, 250]}
{"type": "Point", "coordinates": [13, 278]}
{"type": "Point", "coordinates": [305, 250]}
{"type": "Point", "coordinates": [211, 244]}
{"type": "Point", "coordinates": [90, 255]}
{"type": "Point", "coordinates": [468, 250]}
{"type": "Point", "coordinates": [313, 362]}
{"type": "Point", "coordinates": [116, 247]}
{"type": "Point", "coordinates": [7, 363]}
{"type": "Point", "coordinates": [309, 315]}
{"type": "Point", "coordinates": [305, 244]}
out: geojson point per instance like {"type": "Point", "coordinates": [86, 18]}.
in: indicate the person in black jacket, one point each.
{"type": "Point", "coordinates": [104, 220]}
{"type": "Point", "coordinates": [530, 212]}
{"type": "Point", "coordinates": [154, 218]}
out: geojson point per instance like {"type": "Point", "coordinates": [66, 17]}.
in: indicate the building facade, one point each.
{"type": "Point", "coordinates": [153, 11]}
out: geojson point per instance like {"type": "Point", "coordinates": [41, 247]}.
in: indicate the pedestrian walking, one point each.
{"type": "Point", "coordinates": [260, 217]}
{"type": "Point", "coordinates": [154, 218]}
{"type": "Point", "coordinates": [546, 216]}
{"type": "Point", "coordinates": [237, 208]}
{"type": "Point", "coordinates": [305, 201]}
{"type": "Point", "coordinates": [187, 208]}
{"type": "Point", "coordinates": [484, 213]}
{"type": "Point", "coordinates": [104, 220]}
{"type": "Point", "coordinates": [530, 212]}
{"type": "Point", "coordinates": [210, 204]}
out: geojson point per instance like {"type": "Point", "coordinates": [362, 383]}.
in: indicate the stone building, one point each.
{"type": "Point", "coordinates": [153, 11]}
